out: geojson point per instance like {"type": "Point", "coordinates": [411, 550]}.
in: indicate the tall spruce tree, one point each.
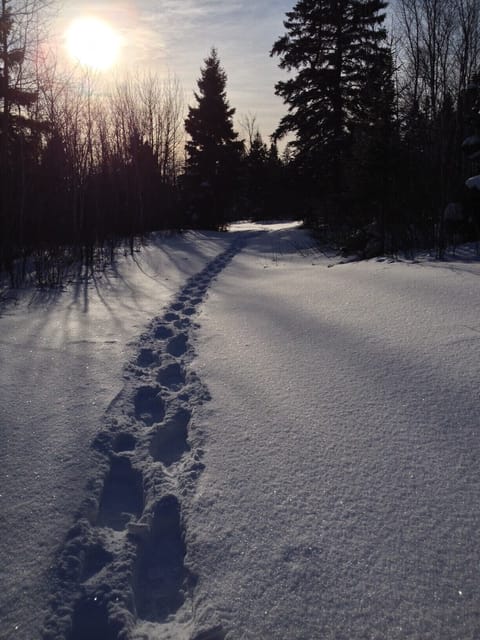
{"type": "Point", "coordinates": [375, 144]}
{"type": "Point", "coordinates": [213, 151]}
{"type": "Point", "coordinates": [333, 46]}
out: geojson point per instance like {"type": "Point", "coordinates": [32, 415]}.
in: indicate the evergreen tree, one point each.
{"type": "Point", "coordinates": [256, 168]}
{"type": "Point", "coordinates": [373, 167]}
{"type": "Point", "coordinates": [213, 151]}
{"type": "Point", "coordinates": [333, 46]}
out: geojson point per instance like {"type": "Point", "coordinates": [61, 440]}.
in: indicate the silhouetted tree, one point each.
{"type": "Point", "coordinates": [470, 197]}
{"type": "Point", "coordinates": [256, 175]}
{"type": "Point", "coordinates": [372, 171]}
{"type": "Point", "coordinates": [438, 51]}
{"type": "Point", "coordinates": [332, 46]}
{"type": "Point", "coordinates": [19, 131]}
{"type": "Point", "coordinates": [213, 151]}
{"type": "Point", "coordinates": [111, 164]}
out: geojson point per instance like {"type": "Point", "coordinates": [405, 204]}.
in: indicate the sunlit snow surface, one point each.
{"type": "Point", "coordinates": [274, 225]}
{"type": "Point", "coordinates": [62, 355]}
{"type": "Point", "coordinates": [340, 496]}
{"type": "Point", "coordinates": [340, 452]}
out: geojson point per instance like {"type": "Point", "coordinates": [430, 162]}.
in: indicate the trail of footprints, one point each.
{"type": "Point", "coordinates": [129, 537]}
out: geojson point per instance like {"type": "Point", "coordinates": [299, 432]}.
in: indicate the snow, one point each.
{"type": "Point", "coordinates": [275, 445]}
{"type": "Point", "coordinates": [341, 476]}
{"type": "Point", "coordinates": [473, 182]}
{"type": "Point", "coordinates": [62, 356]}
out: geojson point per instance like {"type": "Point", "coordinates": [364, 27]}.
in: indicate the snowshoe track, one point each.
{"type": "Point", "coordinates": [123, 571]}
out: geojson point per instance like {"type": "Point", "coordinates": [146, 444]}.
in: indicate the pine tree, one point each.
{"type": "Point", "coordinates": [372, 168]}
{"type": "Point", "coordinates": [255, 171]}
{"type": "Point", "coordinates": [332, 45]}
{"type": "Point", "coordinates": [213, 151]}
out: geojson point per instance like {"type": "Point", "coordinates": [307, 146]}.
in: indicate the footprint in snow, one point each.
{"type": "Point", "coordinates": [147, 358]}
{"type": "Point", "coordinates": [122, 496]}
{"type": "Point", "coordinates": [149, 406]}
{"type": "Point", "coordinates": [184, 323]}
{"type": "Point", "coordinates": [160, 572]}
{"type": "Point", "coordinates": [90, 621]}
{"type": "Point", "coordinates": [96, 558]}
{"type": "Point", "coordinates": [162, 332]}
{"type": "Point", "coordinates": [124, 442]}
{"type": "Point", "coordinates": [189, 311]}
{"type": "Point", "coordinates": [177, 346]}
{"type": "Point", "coordinates": [172, 376]}
{"type": "Point", "coordinates": [170, 441]}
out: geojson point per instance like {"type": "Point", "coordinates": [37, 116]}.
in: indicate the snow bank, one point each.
{"type": "Point", "coordinates": [473, 182]}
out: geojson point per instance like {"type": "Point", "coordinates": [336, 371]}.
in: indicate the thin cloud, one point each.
{"type": "Point", "coordinates": [176, 36]}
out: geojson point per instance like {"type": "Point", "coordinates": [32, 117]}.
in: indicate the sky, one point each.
{"type": "Point", "coordinates": [175, 36]}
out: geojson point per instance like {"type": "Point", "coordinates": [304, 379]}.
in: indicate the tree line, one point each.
{"type": "Point", "coordinates": [79, 171]}
{"type": "Point", "coordinates": [85, 169]}
{"type": "Point", "coordinates": [380, 117]}
{"type": "Point", "coordinates": [383, 128]}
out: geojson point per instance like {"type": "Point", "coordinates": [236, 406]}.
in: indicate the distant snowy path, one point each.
{"type": "Point", "coordinates": [340, 497]}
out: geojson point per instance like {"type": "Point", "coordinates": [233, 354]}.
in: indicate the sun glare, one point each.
{"type": "Point", "coordinates": [93, 43]}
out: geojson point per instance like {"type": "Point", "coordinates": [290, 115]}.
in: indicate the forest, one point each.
{"type": "Point", "coordinates": [382, 126]}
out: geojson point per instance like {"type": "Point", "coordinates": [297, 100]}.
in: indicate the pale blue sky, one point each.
{"type": "Point", "coordinates": [176, 36]}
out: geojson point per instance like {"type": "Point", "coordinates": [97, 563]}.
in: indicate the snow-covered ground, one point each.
{"type": "Point", "coordinates": [250, 440]}
{"type": "Point", "coordinates": [62, 356]}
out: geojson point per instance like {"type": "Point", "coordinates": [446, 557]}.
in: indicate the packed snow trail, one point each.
{"type": "Point", "coordinates": [123, 571]}
{"type": "Point", "coordinates": [62, 353]}
{"type": "Point", "coordinates": [341, 487]}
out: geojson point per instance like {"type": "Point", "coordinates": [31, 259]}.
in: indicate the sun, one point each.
{"type": "Point", "coordinates": [93, 43]}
